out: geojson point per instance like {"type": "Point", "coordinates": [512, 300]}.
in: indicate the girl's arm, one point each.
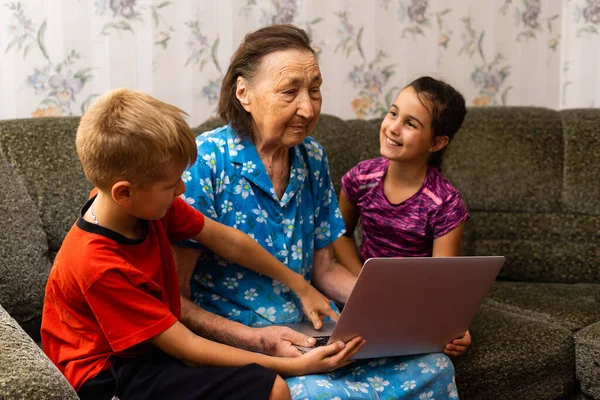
{"type": "Point", "coordinates": [181, 343]}
{"type": "Point", "coordinates": [449, 244]}
{"type": "Point", "coordinates": [344, 247]}
{"type": "Point", "coordinates": [236, 246]}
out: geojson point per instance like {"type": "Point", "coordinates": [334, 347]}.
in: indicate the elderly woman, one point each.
{"type": "Point", "coordinates": [262, 174]}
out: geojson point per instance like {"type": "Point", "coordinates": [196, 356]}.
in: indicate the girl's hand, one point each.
{"type": "Point", "coordinates": [327, 358]}
{"type": "Point", "coordinates": [458, 346]}
{"type": "Point", "coordinates": [315, 306]}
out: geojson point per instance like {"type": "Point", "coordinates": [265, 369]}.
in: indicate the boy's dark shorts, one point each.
{"type": "Point", "coordinates": [160, 376]}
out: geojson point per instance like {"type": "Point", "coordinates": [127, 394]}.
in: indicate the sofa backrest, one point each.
{"type": "Point", "coordinates": [42, 189]}
{"type": "Point", "coordinates": [528, 176]}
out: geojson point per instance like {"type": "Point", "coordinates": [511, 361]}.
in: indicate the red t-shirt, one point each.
{"type": "Point", "coordinates": [107, 294]}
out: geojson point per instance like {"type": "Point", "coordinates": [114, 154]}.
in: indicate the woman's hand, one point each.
{"type": "Point", "coordinates": [458, 346]}
{"type": "Point", "coordinates": [315, 306]}
{"type": "Point", "coordinates": [327, 358]}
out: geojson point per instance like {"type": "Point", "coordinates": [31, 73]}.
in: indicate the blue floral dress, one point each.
{"type": "Point", "coordinates": [229, 184]}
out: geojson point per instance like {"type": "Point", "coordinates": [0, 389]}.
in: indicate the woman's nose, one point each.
{"type": "Point", "coordinates": [305, 107]}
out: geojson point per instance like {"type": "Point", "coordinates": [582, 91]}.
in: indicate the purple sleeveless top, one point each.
{"type": "Point", "coordinates": [406, 229]}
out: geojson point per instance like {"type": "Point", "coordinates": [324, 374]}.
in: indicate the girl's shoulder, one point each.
{"type": "Point", "coordinates": [439, 188]}
{"type": "Point", "coordinates": [373, 169]}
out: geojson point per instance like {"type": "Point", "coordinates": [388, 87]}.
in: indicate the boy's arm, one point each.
{"type": "Point", "coordinates": [236, 246]}
{"type": "Point", "coordinates": [344, 247]}
{"type": "Point", "coordinates": [181, 343]}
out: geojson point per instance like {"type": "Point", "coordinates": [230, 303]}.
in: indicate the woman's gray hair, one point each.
{"type": "Point", "coordinates": [245, 62]}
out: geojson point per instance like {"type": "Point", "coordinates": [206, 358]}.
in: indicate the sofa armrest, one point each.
{"type": "Point", "coordinates": [587, 356]}
{"type": "Point", "coordinates": [25, 371]}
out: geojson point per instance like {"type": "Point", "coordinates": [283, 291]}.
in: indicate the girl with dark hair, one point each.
{"type": "Point", "coordinates": [406, 207]}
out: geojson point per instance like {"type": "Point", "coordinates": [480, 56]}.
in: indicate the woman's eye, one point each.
{"type": "Point", "coordinates": [393, 113]}
{"type": "Point", "coordinates": [290, 91]}
{"type": "Point", "coordinates": [409, 123]}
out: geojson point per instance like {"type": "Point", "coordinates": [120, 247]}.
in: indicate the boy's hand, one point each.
{"type": "Point", "coordinates": [458, 346]}
{"type": "Point", "coordinates": [328, 358]}
{"type": "Point", "coordinates": [315, 306]}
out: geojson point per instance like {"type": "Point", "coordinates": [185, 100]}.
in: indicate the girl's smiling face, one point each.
{"type": "Point", "coordinates": [406, 134]}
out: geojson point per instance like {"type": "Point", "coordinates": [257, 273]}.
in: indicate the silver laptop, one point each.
{"type": "Point", "coordinates": [406, 306]}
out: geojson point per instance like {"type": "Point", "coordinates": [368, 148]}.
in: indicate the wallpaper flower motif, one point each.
{"type": "Point", "coordinates": [488, 77]}
{"type": "Point", "coordinates": [51, 72]}
{"type": "Point", "coordinates": [588, 13]}
{"type": "Point", "coordinates": [416, 15]}
{"type": "Point", "coordinates": [369, 77]}
{"type": "Point", "coordinates": [527, 17]}
{"type": "Point", "coordinates": [285, 12]}
{"type": "Point", "coordinates": [124, 14]}
{"type": "Point", "coordinates": [58, 83]}
{"type": "Point", "coordinates": [202, 52]}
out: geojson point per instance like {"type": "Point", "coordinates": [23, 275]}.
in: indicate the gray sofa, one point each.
{"type": "Point", "coordinates": [528, 175]}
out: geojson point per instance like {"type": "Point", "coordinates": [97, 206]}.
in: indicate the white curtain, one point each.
{"type": "Point", "coordinates": [56, 56]}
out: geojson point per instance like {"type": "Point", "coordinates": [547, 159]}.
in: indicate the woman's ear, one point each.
{"type": "Point", "coordinates": [439, 142]}
{"type": "Point", "coordinates": [122, 193]}
{"type": "Point", "coordinates": [242, 93]}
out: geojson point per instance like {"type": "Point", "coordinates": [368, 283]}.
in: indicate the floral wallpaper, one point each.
{"type": "Point", "coordinates": [57, 56]}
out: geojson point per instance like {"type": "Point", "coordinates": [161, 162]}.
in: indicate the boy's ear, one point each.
{"type": "Point", "coordinates": [122, 192]}
{"type": "Point", "coordinates": [439, 142]}
{"type": "Point", "coordinates": [242, 93]}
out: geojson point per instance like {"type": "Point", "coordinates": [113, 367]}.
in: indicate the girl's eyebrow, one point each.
{"type": "Point", "coordinates": [409, 116]}
{"type": "Point", "coordinates": [416, 119]}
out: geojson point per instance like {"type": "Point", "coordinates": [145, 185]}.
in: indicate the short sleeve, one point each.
{"type": "Point", "coordinates": [451, 213]}
{"type": "Point", "coordinates": [128, 313]}
{"type": "Point", "coordinates": [182, 221]}
{"type": "Point", "coordinates": [350, 185]}
{"type": "Point", "coordinates": [329, 224]}
{"type": "Point", "coordinates": [200, 182]}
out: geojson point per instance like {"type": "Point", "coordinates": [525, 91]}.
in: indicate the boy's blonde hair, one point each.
{"type": "Point", "coordinates": [129, 135]}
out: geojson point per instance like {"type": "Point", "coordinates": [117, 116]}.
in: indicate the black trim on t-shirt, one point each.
{"type": "Point", "coordinates": [102, 231]}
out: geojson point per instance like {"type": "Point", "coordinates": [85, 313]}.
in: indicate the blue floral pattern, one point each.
{"type": "Point", "coordinates": [229, 183]}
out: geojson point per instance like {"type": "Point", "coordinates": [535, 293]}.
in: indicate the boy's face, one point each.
{"type": "Point", "coordinates": [151, 202]}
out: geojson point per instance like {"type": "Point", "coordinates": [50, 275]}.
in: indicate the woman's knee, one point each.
{"type": "Point", "coordinates": [280, 390]}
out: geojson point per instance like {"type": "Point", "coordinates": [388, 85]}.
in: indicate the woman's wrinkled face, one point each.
{"type": "Point", "coordinates": [284, 98]}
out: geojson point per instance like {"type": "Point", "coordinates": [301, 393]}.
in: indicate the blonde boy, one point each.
{"type": "Point", "coordinates": [110, 318]}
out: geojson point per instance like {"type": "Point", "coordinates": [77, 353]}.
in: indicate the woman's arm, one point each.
{"type": "Point", "coordinates": [234, 245]}
{"type": "Point", "coordinates": [345, 247]}
{"type": "Point", "coordinates": [330, 277]}
{"type": "Point", "coordinates": [277, 341]}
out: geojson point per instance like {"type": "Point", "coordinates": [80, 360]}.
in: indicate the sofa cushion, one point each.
{"type": "Point", "coordinates": [516, 357]}
{"type": "Point", "coordinates": [24, 262]}
{"type": "Point", "coordinates": [26, 371]}
{"type": "Point", "coordinates": [346, 143]}
{"type": "Point", "coordinates": [541, 247]}
{"type": "Point", "coordinates": [42, 150]}
{"type": "Point", "coordinates": [508, 158]}
{"type": "Point", "coordinates": [572, 306]}
{"type": "Point", "coordinates": [587, 358]}
{"type": "Point", "coordinates": [582, 141]}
